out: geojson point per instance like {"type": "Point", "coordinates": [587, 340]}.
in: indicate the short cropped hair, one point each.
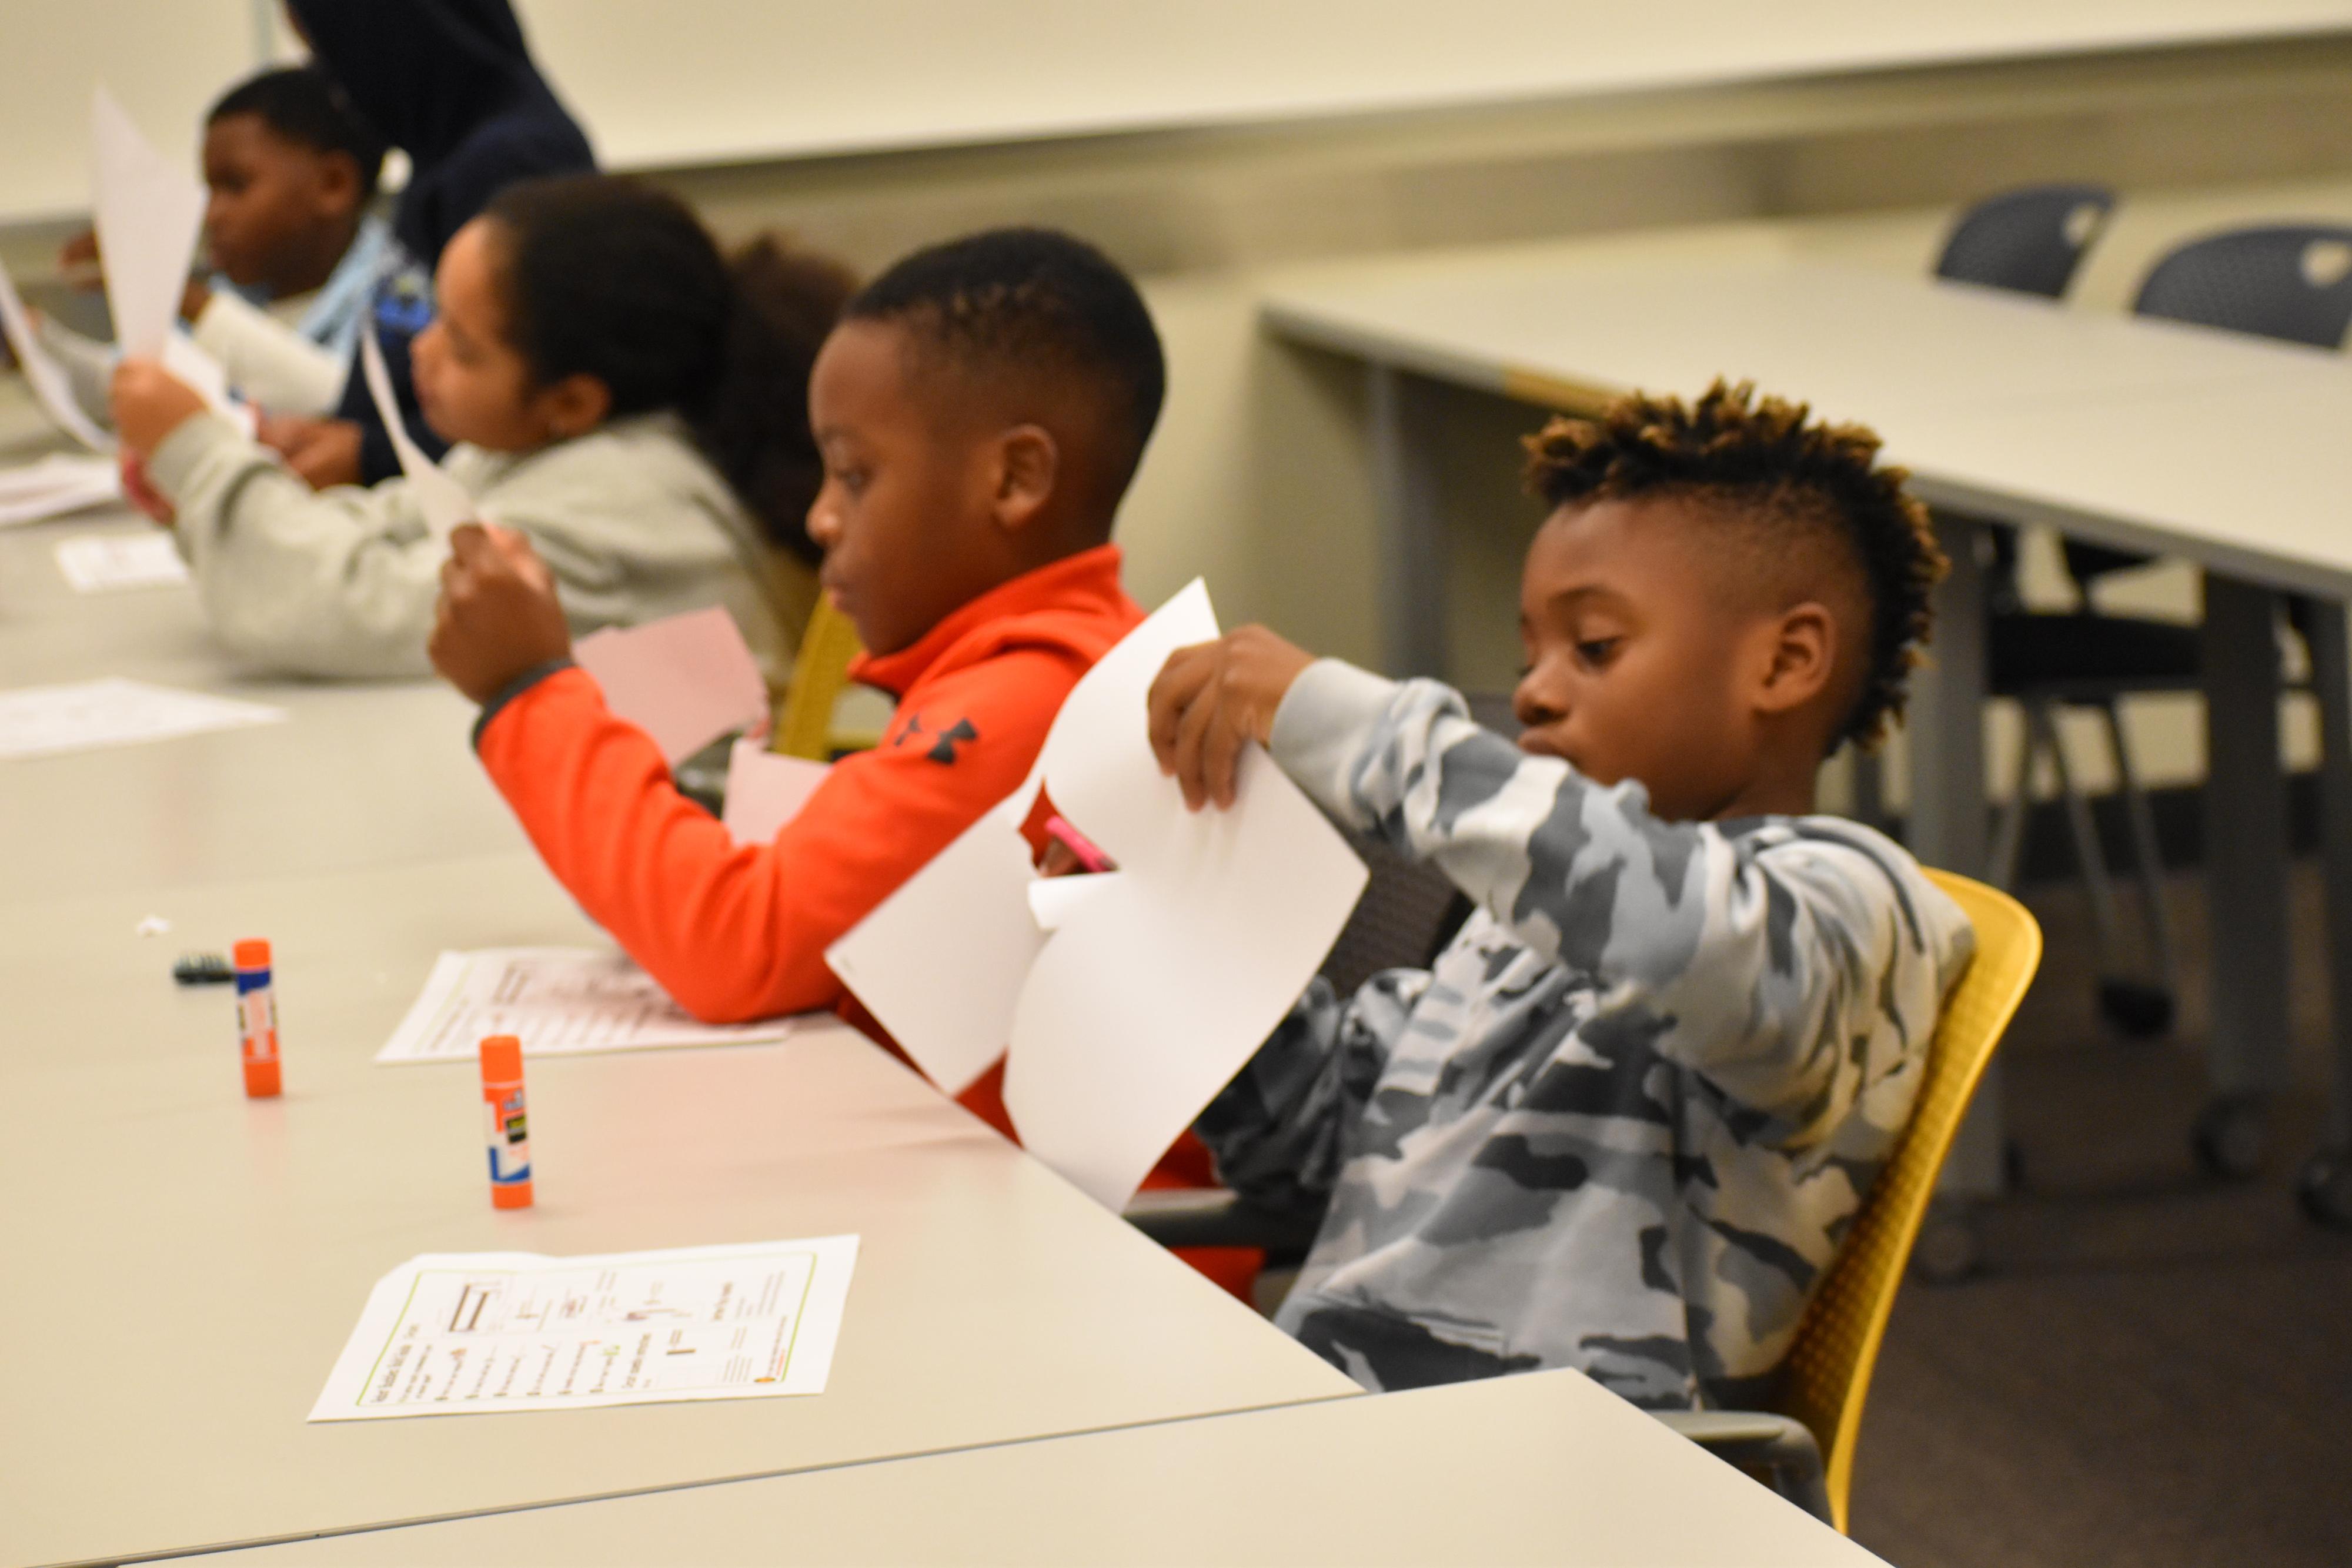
{"type": "Point", "coordinates": [1033, 300]}
{"type": "Point", "coordinates": [303, 105]}
{"type": "Point", "coordinates": [1764, 460]}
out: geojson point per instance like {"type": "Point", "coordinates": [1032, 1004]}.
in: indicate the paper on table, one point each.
{"type": "Point", "coordinates": [559, 1001]}
{"type": "Point", "coordinates": [1155, 982]}
{"type": "Point", "coordinates": [52, 388]}
{"type": "Point", "coordinates": [457, 1334]}
{"type": "Point", "coordinates": [442, 500]}
{"type": "Point", "coordinates": [148, 214]}
{"type": "Point", "coordinates": [684, 680]}
{"type": "Point", "coordinates": [36, 721]}
{"type": "Point", "coordinates": [98, 563]}
{"type": "Point", "coordinates": [765, 791]}
{"type": "Point", "coordinates": [57, 484]}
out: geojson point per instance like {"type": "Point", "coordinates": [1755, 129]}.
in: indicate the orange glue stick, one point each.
{"type": "Point", "coordinates": [509, 1132]}
{"type": "Point", "coordinates": [256, 1020]}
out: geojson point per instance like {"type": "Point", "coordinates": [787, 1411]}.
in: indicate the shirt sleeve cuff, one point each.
{"type": "Point", "coordinates": [513, 689]}
{"type": "Point", "coordinates": [172, 465]}
{"type": "Point", "coordinates": [1323, 724]}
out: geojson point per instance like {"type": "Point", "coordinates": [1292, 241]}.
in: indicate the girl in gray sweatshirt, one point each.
{"type": "Point", "coordinates": [615, 389]}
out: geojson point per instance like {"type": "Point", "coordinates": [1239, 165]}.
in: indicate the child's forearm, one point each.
{"type": "Point", "coordinates": [319, 584]}
{"type": "Point", "coordinates": [1738, 951]}
{"type": "Point", "coordinates": [714, 922]}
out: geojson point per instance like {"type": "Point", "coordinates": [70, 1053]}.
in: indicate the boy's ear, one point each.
{"type": "Point", "coordinates": [572, 406]}
{"type": "Point", "coordinates": [1803, 655]}
{"type": "Point", "coordinates": [336, 183]}
{"type": "Point", "coordinates": [1028, 466]}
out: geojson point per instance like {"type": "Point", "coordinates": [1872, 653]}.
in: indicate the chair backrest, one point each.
{"type": "Point", "coordinates": [2029, 240]}
{"type": "Point", "coordinates": [821, 668]}
{"type": "Point", "coordinates": [2289, 281]}
{"type": "Point", "coordinates": [1827, 1375]}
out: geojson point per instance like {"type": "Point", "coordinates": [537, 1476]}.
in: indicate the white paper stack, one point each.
{"type": "Point", "coordinates": [56, 485]}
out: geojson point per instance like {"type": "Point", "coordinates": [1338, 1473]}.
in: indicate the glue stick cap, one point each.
{"type": "Point", "coordinates": [501, 1059]}
{"type": "Point", "coordinates": [251, 954]}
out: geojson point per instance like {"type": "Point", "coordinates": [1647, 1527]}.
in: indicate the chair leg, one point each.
{"type": "Point", "coordinates": [2086, 834]}
{"type": "Point", "coordinates": [2009, 835]}
{"type": "Point", "coordinates": [2143, 846]}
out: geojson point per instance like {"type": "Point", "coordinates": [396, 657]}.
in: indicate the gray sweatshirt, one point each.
{"type": "Point", "coordinates": [631, 518]}
{"type": "Point", "coordinates": [1623, 1123]}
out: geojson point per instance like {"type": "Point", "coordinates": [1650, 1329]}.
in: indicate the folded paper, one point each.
{"type": "Point", "coordinates": [1120, 1002]}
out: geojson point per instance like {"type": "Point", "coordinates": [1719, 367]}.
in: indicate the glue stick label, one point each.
{"type": "Point", "coordinates": [509, 1137]}
{"type": "Point", "coordinates": [256, 1016]}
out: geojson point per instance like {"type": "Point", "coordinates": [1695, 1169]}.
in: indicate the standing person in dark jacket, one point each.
{"type": "Point", "coordinates": [450, 83]}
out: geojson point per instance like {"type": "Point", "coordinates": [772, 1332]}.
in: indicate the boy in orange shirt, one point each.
{"type": "Point", "coordinates": [978, 410]}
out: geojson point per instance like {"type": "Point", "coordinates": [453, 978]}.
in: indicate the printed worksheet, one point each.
{"type": "Point", "coordinates": [101, 563]}
{"type": "Point", "coordinates": [456, 1334]}
{"type": "Point", "coordinates": [559, 1001]}
{"type": "Point", "coordinates": [37, 721]}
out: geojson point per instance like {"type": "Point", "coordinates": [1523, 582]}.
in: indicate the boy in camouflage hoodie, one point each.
{"type": "Point", "coordinates": [1623, 1122]}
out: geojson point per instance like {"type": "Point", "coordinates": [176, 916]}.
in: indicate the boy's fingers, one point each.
{"type": "Point", "coordinates": [1221, 752]}
{"type": "Point", "coordinates": [1174, 691]}
{"type": "Point", "coordinates": [1192, 733]}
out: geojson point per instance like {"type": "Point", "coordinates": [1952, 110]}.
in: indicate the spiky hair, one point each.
{"type": "Point", "coordinates": [1763, 461]}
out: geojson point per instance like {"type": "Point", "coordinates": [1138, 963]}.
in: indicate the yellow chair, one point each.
{"type": "Point", "coordinates": [1827, 1374]}
{"type": "Point", "coordinates": [821, 669]}
{"type": "Point", "coordinates": [1807, 1444]}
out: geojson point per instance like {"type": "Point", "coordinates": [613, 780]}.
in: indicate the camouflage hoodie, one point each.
{"type": "Point", "coordinates": [1623, 1123]}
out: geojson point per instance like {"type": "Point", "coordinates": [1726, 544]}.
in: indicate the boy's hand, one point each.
{"type": "Point", "coordinates": [323, 452]}
{"type": "Point", "coordinates": [150, 403]}
{"type": "Point", "coordinates": [498, 615]}
{"type": "Point", "coordinates": [1211, 698]}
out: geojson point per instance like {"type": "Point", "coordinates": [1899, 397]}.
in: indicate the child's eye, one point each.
{"type": "Point", "coordinates": [1598, 650]}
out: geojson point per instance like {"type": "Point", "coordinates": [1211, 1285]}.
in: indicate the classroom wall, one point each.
{"type": "Point", "coordinates": [1258, 477]}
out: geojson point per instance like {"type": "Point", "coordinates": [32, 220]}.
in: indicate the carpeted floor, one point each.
{"type": "Point", "coordinates": [2155, 1369]}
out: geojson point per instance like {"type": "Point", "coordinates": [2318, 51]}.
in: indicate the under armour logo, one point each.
{"type": "Point", "coordinates": [949, 738]}
{"type": "Point", "coordinates": [945, 751]}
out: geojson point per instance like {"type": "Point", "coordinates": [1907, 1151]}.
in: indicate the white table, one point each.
{"type": "Point", "coordinates": [362, 775]}
{"type": "Point", "coordinates": [1545, 1467]}
{"type": "Point", "coordinates": [185, 1264]}
{"type": "Point", "coordinates": [2002, 406]}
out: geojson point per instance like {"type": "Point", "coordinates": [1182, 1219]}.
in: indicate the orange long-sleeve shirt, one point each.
{"type": "Point", "coordinates": [738, 931]}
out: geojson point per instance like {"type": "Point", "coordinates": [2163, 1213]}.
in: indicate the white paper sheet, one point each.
{"type": "Point", "coordinates": [559, 1001]}
{"type": "Point", "coordinates": [457, 1334]}
{"type": "Point", "coordinates": [102, 563]}
{"type": "Point", "coordinates": [1155, 982]}
{"type": "Point", "coordinates": [56, 485]}
{"type": "Point", "coordinates": [442, 500]}
{"type": "Point", "coordinates": [684, 680]}
{"type": "Point", "coordinates": [148, 214]}
{"type": "Point", "coordinates": [38, 721]}
{"type": "Point", "coordinates": [764, 790]}
{"type": "Point", "coordinates": [52, 388]}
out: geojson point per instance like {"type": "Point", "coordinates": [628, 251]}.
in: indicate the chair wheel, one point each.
{"type": "Point", "coordinates": [2137, 1009]}
{"type": "Point", "coordinates": [2324, 1188]}
{"type": "Point", "coordinates": [2232, 1137]}
{"type": "Point", "coordinates": [1949, 1249]}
